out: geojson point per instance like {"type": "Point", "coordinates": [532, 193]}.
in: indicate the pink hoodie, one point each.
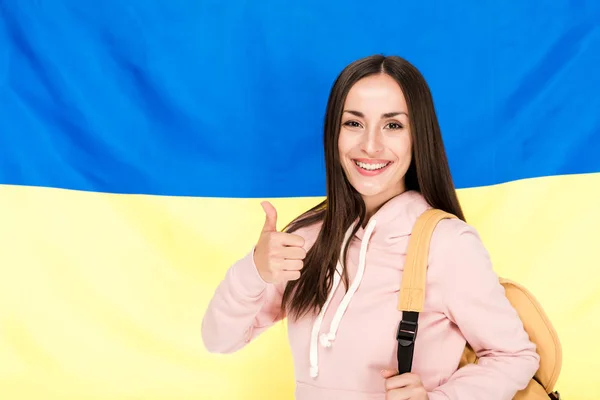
{"type": "Point", "coordinates": [340, 353]}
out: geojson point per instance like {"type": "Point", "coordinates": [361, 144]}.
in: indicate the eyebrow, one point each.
{"type": "Point", "coordinates": [386, 115]}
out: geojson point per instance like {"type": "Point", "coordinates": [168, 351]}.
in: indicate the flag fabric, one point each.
{"type": "Point", "coordinates": [138, 138]}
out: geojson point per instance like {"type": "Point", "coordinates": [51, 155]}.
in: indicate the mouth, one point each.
{"type": "Point", "coordinates": [371, 167]}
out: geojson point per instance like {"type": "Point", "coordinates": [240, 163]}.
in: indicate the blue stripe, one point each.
{"type": "Point", "coordinates": [227, 99]}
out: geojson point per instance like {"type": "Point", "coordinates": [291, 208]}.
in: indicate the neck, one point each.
{"type": "Point", "coordinates": [374, 203]}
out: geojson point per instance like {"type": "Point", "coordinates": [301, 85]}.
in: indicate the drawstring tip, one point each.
{"type": "Point", "coordinates": [314, 371]}
{"type": "Point", "coordinates": [326, 339]}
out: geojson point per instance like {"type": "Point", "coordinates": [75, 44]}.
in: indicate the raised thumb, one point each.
{"type": "Point", "coordinates": [270, 217]}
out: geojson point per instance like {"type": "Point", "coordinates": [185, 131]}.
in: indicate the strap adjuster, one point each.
{"type": "Point", "coordinates": [407, 333]}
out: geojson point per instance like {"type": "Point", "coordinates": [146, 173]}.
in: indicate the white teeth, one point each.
{"type": "Point", "coordinates": [371, 167]}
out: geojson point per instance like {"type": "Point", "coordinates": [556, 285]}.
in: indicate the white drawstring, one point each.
{"type": "Point", "coordinates": [326, 339]}
{"type": "Point", "coordinates": [337, 276]}
{"type": "Point", "coordinates": [314, 355]}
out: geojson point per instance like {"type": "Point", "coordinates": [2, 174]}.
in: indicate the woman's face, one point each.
{"type": "Point", "coordinates": [375, 140]}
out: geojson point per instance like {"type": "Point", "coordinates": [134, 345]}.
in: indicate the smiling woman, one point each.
{"type": "Point", "coordinates": [386, 165]}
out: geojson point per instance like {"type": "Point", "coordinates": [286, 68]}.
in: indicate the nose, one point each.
{"type": "Point", "coordinates": [372, 143]}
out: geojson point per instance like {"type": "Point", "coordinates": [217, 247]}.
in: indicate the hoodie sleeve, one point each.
{"type": "Point", "coordinates": [242, 307]}
{"type": "Point", "coordinates": [476, 302]}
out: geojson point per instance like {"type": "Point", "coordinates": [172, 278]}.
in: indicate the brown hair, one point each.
{"type": "Point", "coordinates": [428, 173]}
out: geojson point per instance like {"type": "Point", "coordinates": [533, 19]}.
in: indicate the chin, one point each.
{"type": "Point", "coordinates": [367, 190]}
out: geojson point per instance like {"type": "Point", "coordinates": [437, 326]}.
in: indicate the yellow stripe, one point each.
{"type": "Point", "coordinates": [102, 296]}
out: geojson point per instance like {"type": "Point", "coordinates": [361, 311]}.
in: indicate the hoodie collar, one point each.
{"type": "Point", "coordinates": [395, 218]}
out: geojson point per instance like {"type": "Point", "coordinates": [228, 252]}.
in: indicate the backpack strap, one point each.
{"type": "Point", "coordinates": [412, 291]}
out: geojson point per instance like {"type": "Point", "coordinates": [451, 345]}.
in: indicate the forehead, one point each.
{"type": "Point", "coordinates": [376, 93]}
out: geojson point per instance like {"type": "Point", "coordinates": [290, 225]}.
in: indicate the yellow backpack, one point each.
{"type": "Point", "coordinates": [536, 323]}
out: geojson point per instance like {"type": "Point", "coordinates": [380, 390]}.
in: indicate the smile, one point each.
{"type": "Point", "coordinates": [371, 168]}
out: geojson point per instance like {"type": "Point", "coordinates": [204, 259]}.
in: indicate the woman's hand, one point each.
{"type": "Point", "coordinates": [403, 387]}
{"type": "Point", "coordinates": [279, 256]}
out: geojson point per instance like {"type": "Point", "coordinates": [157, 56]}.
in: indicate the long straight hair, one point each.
{"type": "Point", "coordinates": [428, 173]}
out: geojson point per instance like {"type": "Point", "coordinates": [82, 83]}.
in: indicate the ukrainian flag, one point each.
{"type": "Point", "coordinates": [138, 138]}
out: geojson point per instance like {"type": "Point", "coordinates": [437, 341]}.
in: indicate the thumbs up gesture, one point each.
{"type": "Point", "coordinates": [278, 256]}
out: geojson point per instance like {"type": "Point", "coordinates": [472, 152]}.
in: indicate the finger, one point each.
{"type": "Point", "coordinates": [395, 382]}
{"type": "Point", "coordinates": [293, 265]}
{"type": "Point", "coordinates": [281, 242]}
{"type": "Point", "coordinates": [290, 239]}
{"type": "Point", "coordinates": [270, 217]}
{"type": "Point", "coordinates": [388, 373]}
{"type": "Point", "coordinates": [290, 275]}
{"type": "Point", "coordinates": [294, 253]}
{"type": "Point", "coordinates": [287, 239]}
{"type": "Point", "coordinates": [401, 381]}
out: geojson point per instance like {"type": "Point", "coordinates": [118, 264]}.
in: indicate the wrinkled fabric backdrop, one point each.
{"type": "Point", "coordinates": [138, 138]}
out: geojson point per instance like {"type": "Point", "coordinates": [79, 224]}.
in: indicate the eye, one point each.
{"type": "Point", "coordinates": [394, 126]}
{"type": "Point", "coordinates": [352, 124]}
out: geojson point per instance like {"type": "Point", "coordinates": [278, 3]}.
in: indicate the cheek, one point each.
{"type": "Point", "coordinates": [340, 148]}
{"type": "Point", "coordinates": [405, 148]}
{"type": "Point", "coordinates": [345, 145]}
{"type": "Point", "coordinates": [342, 152]}
{"type": "Point", "coordinates": [401, 146]}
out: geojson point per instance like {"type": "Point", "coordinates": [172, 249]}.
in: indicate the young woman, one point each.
{"type": "Point", "coordinates": [335, 271]}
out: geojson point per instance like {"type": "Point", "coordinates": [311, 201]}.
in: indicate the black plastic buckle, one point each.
{"type": "Point", "coordinates": [407, 332]}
